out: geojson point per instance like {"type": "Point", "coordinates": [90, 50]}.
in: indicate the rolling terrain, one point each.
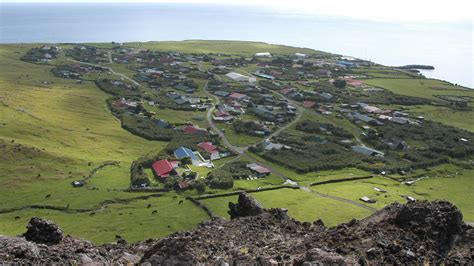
{"type": "Point", "coordinates": [54, 131]}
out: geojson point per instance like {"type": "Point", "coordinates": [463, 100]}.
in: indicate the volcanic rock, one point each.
{"type": "Point", "coordinates": [246, 206]}
{"type": "Point", "coordinates": [43, 232]}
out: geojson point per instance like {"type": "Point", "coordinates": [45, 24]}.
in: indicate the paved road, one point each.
{"type": "Point", "coordinates": [109, 69]}
{"type": "Point", "coordinates": [213, 126]}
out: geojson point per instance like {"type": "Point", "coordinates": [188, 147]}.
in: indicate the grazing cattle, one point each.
{"type": "Point", "coordinates": [154, 212]}
{"type": "Point", "coordinates": [92, 214]}
{"type": "Point", "coordinates": [17, 217]}
{"type": "Point", "coordinates": [175, 197]}
{"type": "Point", "coordinates": [169, 226]}
{"type": "Point", "coordinates": [117, 237]}
{"type": "Point", "coordinates": [120, 213]}
{"type": "Point", "coordinates": [48, 196]}
{"type": "Point", "coordinates": [148, 206]}
{"type": "Point", "coordinates": [180, 202]}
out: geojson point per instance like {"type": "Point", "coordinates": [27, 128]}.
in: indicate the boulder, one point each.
{"type": "Point", "coordinates": [246, 206]}
{"type": "Point", "coordinates": [43, 232]}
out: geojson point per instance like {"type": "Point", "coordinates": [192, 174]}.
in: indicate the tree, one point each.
{"type": "Point", "coordinates": [200, 186]}
{"type": "Point", "coordinates": [186, 160]}
{"type": "Point", "coordinates": [340, 83]}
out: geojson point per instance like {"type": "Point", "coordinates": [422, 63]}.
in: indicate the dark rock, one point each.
{"type": "Point", "coordinates": [246, 206]}
{"type": "Point", "coordinates": [43, 232]}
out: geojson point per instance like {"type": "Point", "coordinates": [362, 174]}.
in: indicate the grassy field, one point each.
{"type": "Point", "coordinates": [58, 132]}
{"type": "Point", "coordinates": [301, 205]}
{"type": "Point", "coordinates": [445, 182]}
{"type": "Point", "coordinates": [448, 116]}
{"type": "Point", "coordinates": [54, 131]}
{"type": "Point", "coordinates": [228, 47]}
{"type": "Point", "coordinates": [133, 221]}
{"type": "Point", "coordinates": [426, 88]}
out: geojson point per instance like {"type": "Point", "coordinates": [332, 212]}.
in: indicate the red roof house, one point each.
{"type": "Point", "coordinates": [207, 146]}
{"type": "Point", "coordinates": [354, 82]}
{"type": "Point", "coordinates": [190, 129]}
{"type": "Point", "coordinates": [183, 184]}
{"type": "Point", "coordinates": [285, 91]}
{"type": "Point", "coordinates": [162, 168]}
{"type": "Point", "coordinates": [237, 96]}
{"type": "Point", "coordinates": [309, 104]}
{"type": "Point", "coordinates": [222, 113]}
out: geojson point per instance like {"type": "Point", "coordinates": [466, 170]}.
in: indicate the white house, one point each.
{"type": "Point", "coordinates": [300, 55]}
{"type": "Point", "coordinates": [237, 76]}
{"type": "Point", "coordinates": [265, 54]}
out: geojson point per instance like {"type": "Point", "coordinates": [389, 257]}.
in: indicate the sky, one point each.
{"type": "Point", "coordinates": [381, 10]}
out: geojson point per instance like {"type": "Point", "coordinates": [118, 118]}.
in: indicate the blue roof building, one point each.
{"type": "Point", "coordinates": [183, 152]}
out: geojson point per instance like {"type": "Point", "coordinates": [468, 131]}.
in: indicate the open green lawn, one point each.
{"type": "Point", "coordinates": [425, 88]}
{"type": "Point", "coordinates": [445, 115]}
{"type": "Point", "coordinates": [133, 221]}
{"type": "Point", "coordinates": [58, 132]}
{"type": "Point", "coordinates": [229, 47]}
{"type": "Point", "coordinates": [54, 131]}
{"type": "Point", "coordinates": [301, 205]}
{"type": "Point", "coordinates": [238, 139]}
{"type": "Point", "coordinates": [444, 182]}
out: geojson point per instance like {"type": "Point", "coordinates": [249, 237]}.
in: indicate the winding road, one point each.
{"type": "Point", "coordinates": [242, 150]}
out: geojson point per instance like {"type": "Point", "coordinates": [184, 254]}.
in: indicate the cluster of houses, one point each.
{"type": "Point", "coordinates": [182, 156]}
{"type": "Point", "coordinates": [187, 100]}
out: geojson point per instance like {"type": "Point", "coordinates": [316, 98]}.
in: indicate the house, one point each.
{"type": "Point", "coordinates": [180, 101]}
{"type": "Point", "coordinates": [363, 118]}
{"type": "Point", "coordinates": [263, 75]}
{"type": "Point", "coordinates": [237, 76]}
{"type": "Point", "coordinates": [396, 144]}
{"type": "Point", "coordinates": [162, 123]}
{"type": "Point", "coordinates": [191, 129]}
{"type": "Point", "coordinates": [222, 93]}
{"type": "Point", "coordinates": [308, 104]}
{"type": "Point", "coordinates": [268, 145]}
{"type": "Point", "coordinates": [400, 120]}
{"type": "Point", "coordinates": [372, 109]}
{"type": "Point", "coordinates": [286, 91]}
{"type": "Point", "coordinates": [263, 112]}
{"type": "Point", "coordinates": [207, 146]}
{"type": "Point", "coordinates": [183, 184]}
{"type": "Point", "coordinates": [258, 169]}
{"type": "Point", "coordinates": [367, 151]}
{"type": "Point", "coordinates": [367, 199]}
{"type": "Point", "coordinates": [300, 55]}
{"type": "Point", "coordinates": [183, 152]}
{"type": "Point", "coordinates": [326, 95]}
{"type": "Point", "coordinates": [185, 88]}
{"type": "Point", "coordinates": [354, 82]}
{"type": "Point", "coordinates": [264, 54]}
{"type": "Point", "coordinates": [238, 96]}
{"type": "Point", "coordinates": [78, 183]}
{"type": "Point", "coordinates": [162, 169]}
{"type": "Point", "coordinates": [211, 149]}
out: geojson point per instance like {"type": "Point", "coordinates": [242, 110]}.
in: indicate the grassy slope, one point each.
{"type": "Point", "coordinates": [230, 47]}
{"type": "Point", "coordinates": [61, 128]}
{"type": "Point", "coordinates": [428, 88]}
{"type": "Point", "coordinates": [55, 118]}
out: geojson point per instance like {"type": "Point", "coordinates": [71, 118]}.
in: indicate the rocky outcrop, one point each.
{"type": "Point", "coordinates": [246, 206]}
{"type": "Point", "coordinates": [415, 233]}
{"type": "Point", "coordinates": [43, 232]}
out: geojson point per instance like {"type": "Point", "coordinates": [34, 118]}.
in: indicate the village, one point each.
{"type": "Point", "coordinates": [306, 112]}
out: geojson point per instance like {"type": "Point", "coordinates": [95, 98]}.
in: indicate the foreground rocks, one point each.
{"type": "Point", "coordinates": [415, 233]}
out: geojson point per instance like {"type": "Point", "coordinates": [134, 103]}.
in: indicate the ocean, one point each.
{"type": "Point", "coordinates": [446, 46]}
